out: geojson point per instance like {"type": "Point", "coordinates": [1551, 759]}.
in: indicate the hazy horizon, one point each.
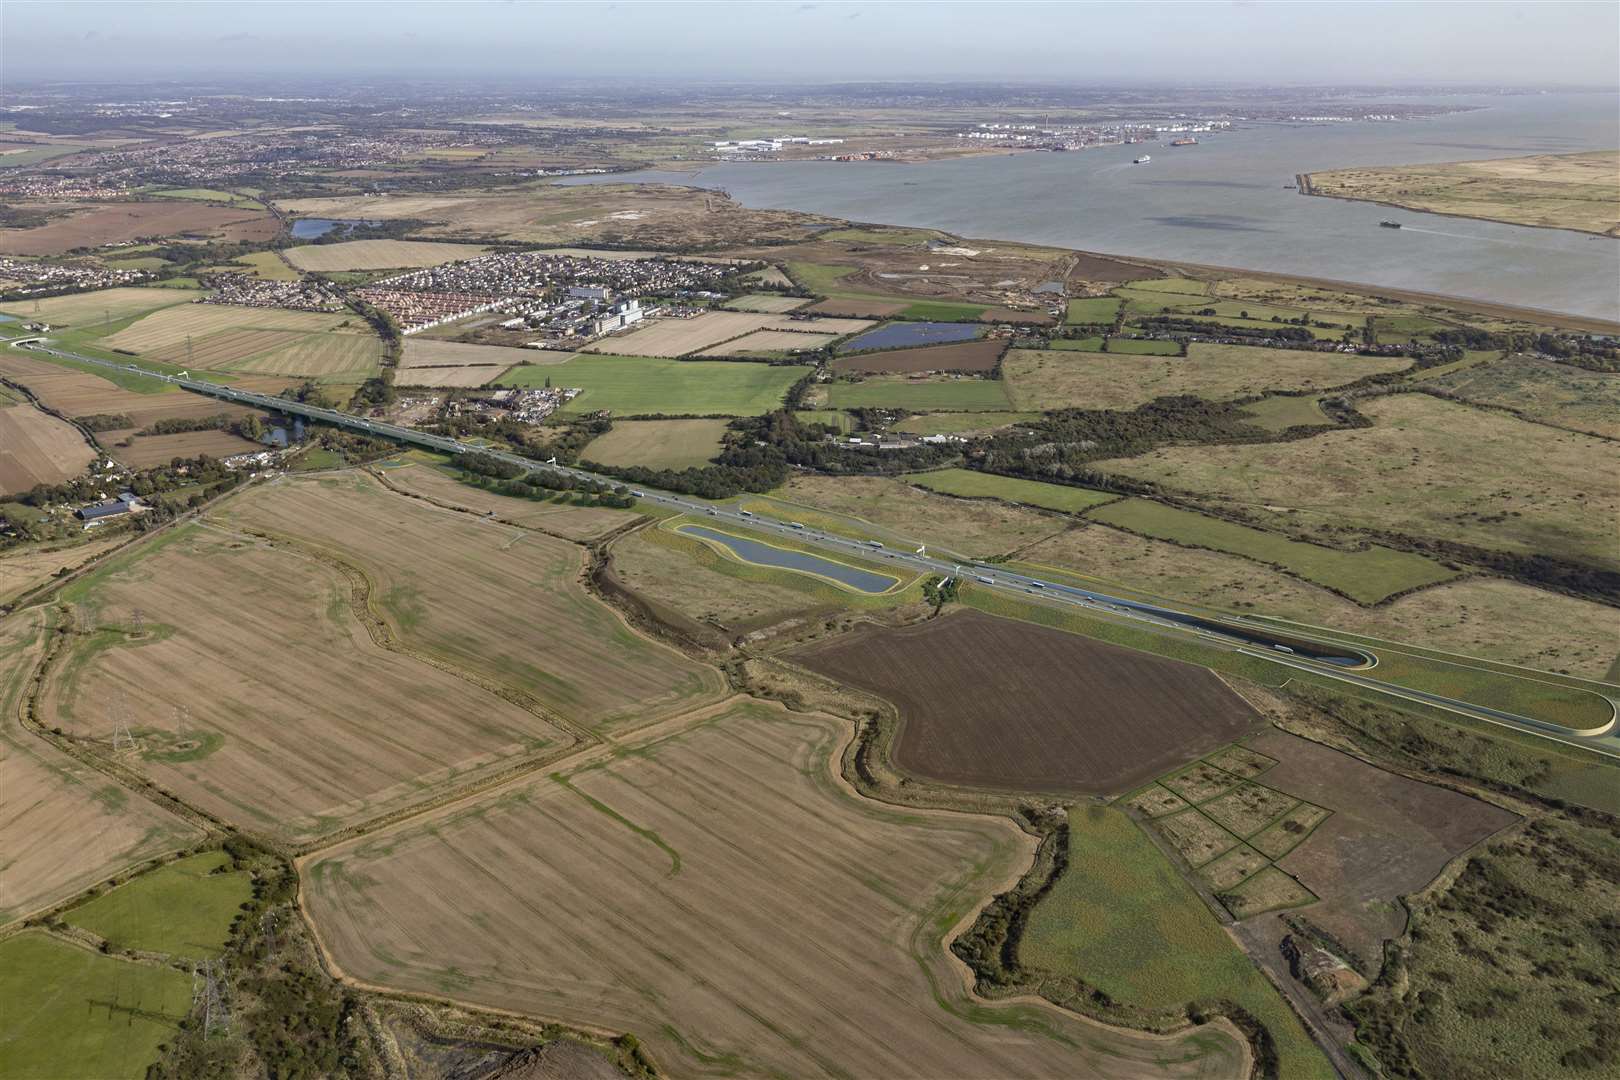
{"type": "Point", "coordinates": [1366, 44]}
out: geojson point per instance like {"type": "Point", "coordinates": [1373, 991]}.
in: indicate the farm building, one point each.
{"type": "Point", "coordinates": [96, 513]}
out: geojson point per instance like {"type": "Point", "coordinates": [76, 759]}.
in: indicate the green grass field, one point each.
{"type": "Point", "coordinates": [844, 422]}
{"type": "Point", "coordinates": [969, 483]}
{"type": "Point", "coordinates": [1284, 412]}
{"type": "Point", "coordinates": [1125, 922]}
{"type": "Point", "coordinates": [945, 423]}
{"type": "Point", "coordinates": [944, 311]}
{"type": "Point", "coordinates": [658, 444]}
{"type": "Point", "coordinates": [1190, 286]}
{"type": "Point", "coordinates": [71, 1012]}
{"type": "Point", "coordinates": [212, 195]}
{"type": "Point", "coordinates": [1123, 346]}
{"type": "Point", "coordinates": [1095, 309]}
{"type": "Point", "coordinates": [919, 395]}
{"type": "Point", "coordinates": [638, 385]}
{"type": "Point", "coordinates": [1366, 576]}
{"type": "Point", "coordinates": [183, 909]}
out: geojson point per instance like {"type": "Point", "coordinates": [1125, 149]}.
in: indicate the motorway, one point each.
{"type": "Point", "coordinates": [1318, 658]}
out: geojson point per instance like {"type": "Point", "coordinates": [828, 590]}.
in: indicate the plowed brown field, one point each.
{"type": "Point", "coordinates": [1001, 704]}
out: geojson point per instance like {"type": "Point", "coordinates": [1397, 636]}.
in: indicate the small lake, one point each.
{"type": "Point", "coordinates": [314, 227]}
{"type": "Point", "coordinates": [906, 334]}
{"type": "Point", "coordinates": [752, 551]}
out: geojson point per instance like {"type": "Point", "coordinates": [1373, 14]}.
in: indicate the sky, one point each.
{"type": "Point", "coordinates": [1246, 41]}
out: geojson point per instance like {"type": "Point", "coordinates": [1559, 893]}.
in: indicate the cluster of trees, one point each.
{"type": "Point", "coordinates": [105, 421]}
{"type": "Point", "coordinates": [1062, 442]}
{"type": "Point", "coordinates": [509, 478]}
{"type": "Point", "coordinates": [1281, 331]}
{"type": "Point", "coordinates": [250, 427]}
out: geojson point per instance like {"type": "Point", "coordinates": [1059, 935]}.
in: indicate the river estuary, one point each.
{"type": "Point", "coordinates": [1226, 202]}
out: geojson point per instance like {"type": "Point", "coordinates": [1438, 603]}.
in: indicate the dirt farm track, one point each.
{"type": "Point", "coordinates": [990, 702]}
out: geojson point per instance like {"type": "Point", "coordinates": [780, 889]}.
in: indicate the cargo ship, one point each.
{"type": "Point", "coordinates": [1143, 160]}
{"type": "Point", "coordinates": [1188, 141]}
{"type": "Point", "coordinates": [1388, 224]}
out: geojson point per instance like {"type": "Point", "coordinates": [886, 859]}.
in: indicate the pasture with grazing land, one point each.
{"type": "Point", "coordinates": [658, 444]}
{"type": "Point", "coordinates": [994, 703]}
{"type": "Point", "coordinates": [63, 825]}
{"type": "Point", "coordinates": [1479, 616]}
{"type": "Point", "coordinates": [1121, 919]}
{"type": "Point", "coordinates": [38, 448]}
{"type": "Point", "coordinates": [642, 386]}
{"type": "Point", "coordinates": [183, 909]}
{"type": "Point", "coordinates": [649, 893]}
{"type": "Point", "coordinates": [1542, 390]}
{"type": "Point", "coordinates": [1426, 466]}
{"type": "Point", "coordinates": [1367, 576]}
{"type": "Point", "coordinates": [1052, 379]}
{"type": "Point", "coordinates": [360, 730]}
{"type": "Point", "coordinates": [949, 394]}
{"type": "Point", "coordinates": [972, 484]}
{"type": "Point", "coordinates": [102, 1017]}
{"type": "Point", "coordinates": [501, 602]}
{"type": "Point", "coordinates": [378, 255]}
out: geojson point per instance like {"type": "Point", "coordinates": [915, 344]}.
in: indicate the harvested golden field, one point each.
{"type": "Point", "coordinates": [1427, 467]}
{"type": "Point", "coordinates": [116, 223]}
{"type": "Point", "coordinates": [299, 723]}
{"type": "Point", "coordinates": [698, 893]}
{"type": "Point", "coordinates": [1560, 191]}
{"type": "Point", "coordinates": [76, 393]}
{"type": "Point", "coordinates": [334, 356]}
{"type": "Point", "coordinates": [437, 378]}
{"type": "Point", "coordinates": [772, 302]}
{"type": "Point", "coordinates": [579, 523]}
{"type": "Point", "coordinates": [63, 825]}
{"type": "Point", "coordinates": [163, 334]}
{"type": "Point", "coordinates": [378, 255]}
{"type": "Point", "coordinates": [1485, 617]}
{"type": "Point", "coordinates": [677, 337]}
{"type": "Point", "coordinates": [146, 451]}
{"type": "Point", "coordinates": [767, 341]}
{"type": "Point", "coordinates": [1068, 378]}
{"type": "Point", "coordinates": [503, 602]}
{"type": "Point", "coordinates": [646, 215]}
{"type": "Point", "coordinates": [93, 308]}
{"type": "Point", "coordinates": [427, 352]}
{"type": "Point", "coordinates": [37, 448]}
{"type": "Point", "coordinates": [23, 568]}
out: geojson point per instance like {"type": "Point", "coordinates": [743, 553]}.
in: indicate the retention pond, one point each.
{"type": "Point", "coordinates": [762, 554]}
